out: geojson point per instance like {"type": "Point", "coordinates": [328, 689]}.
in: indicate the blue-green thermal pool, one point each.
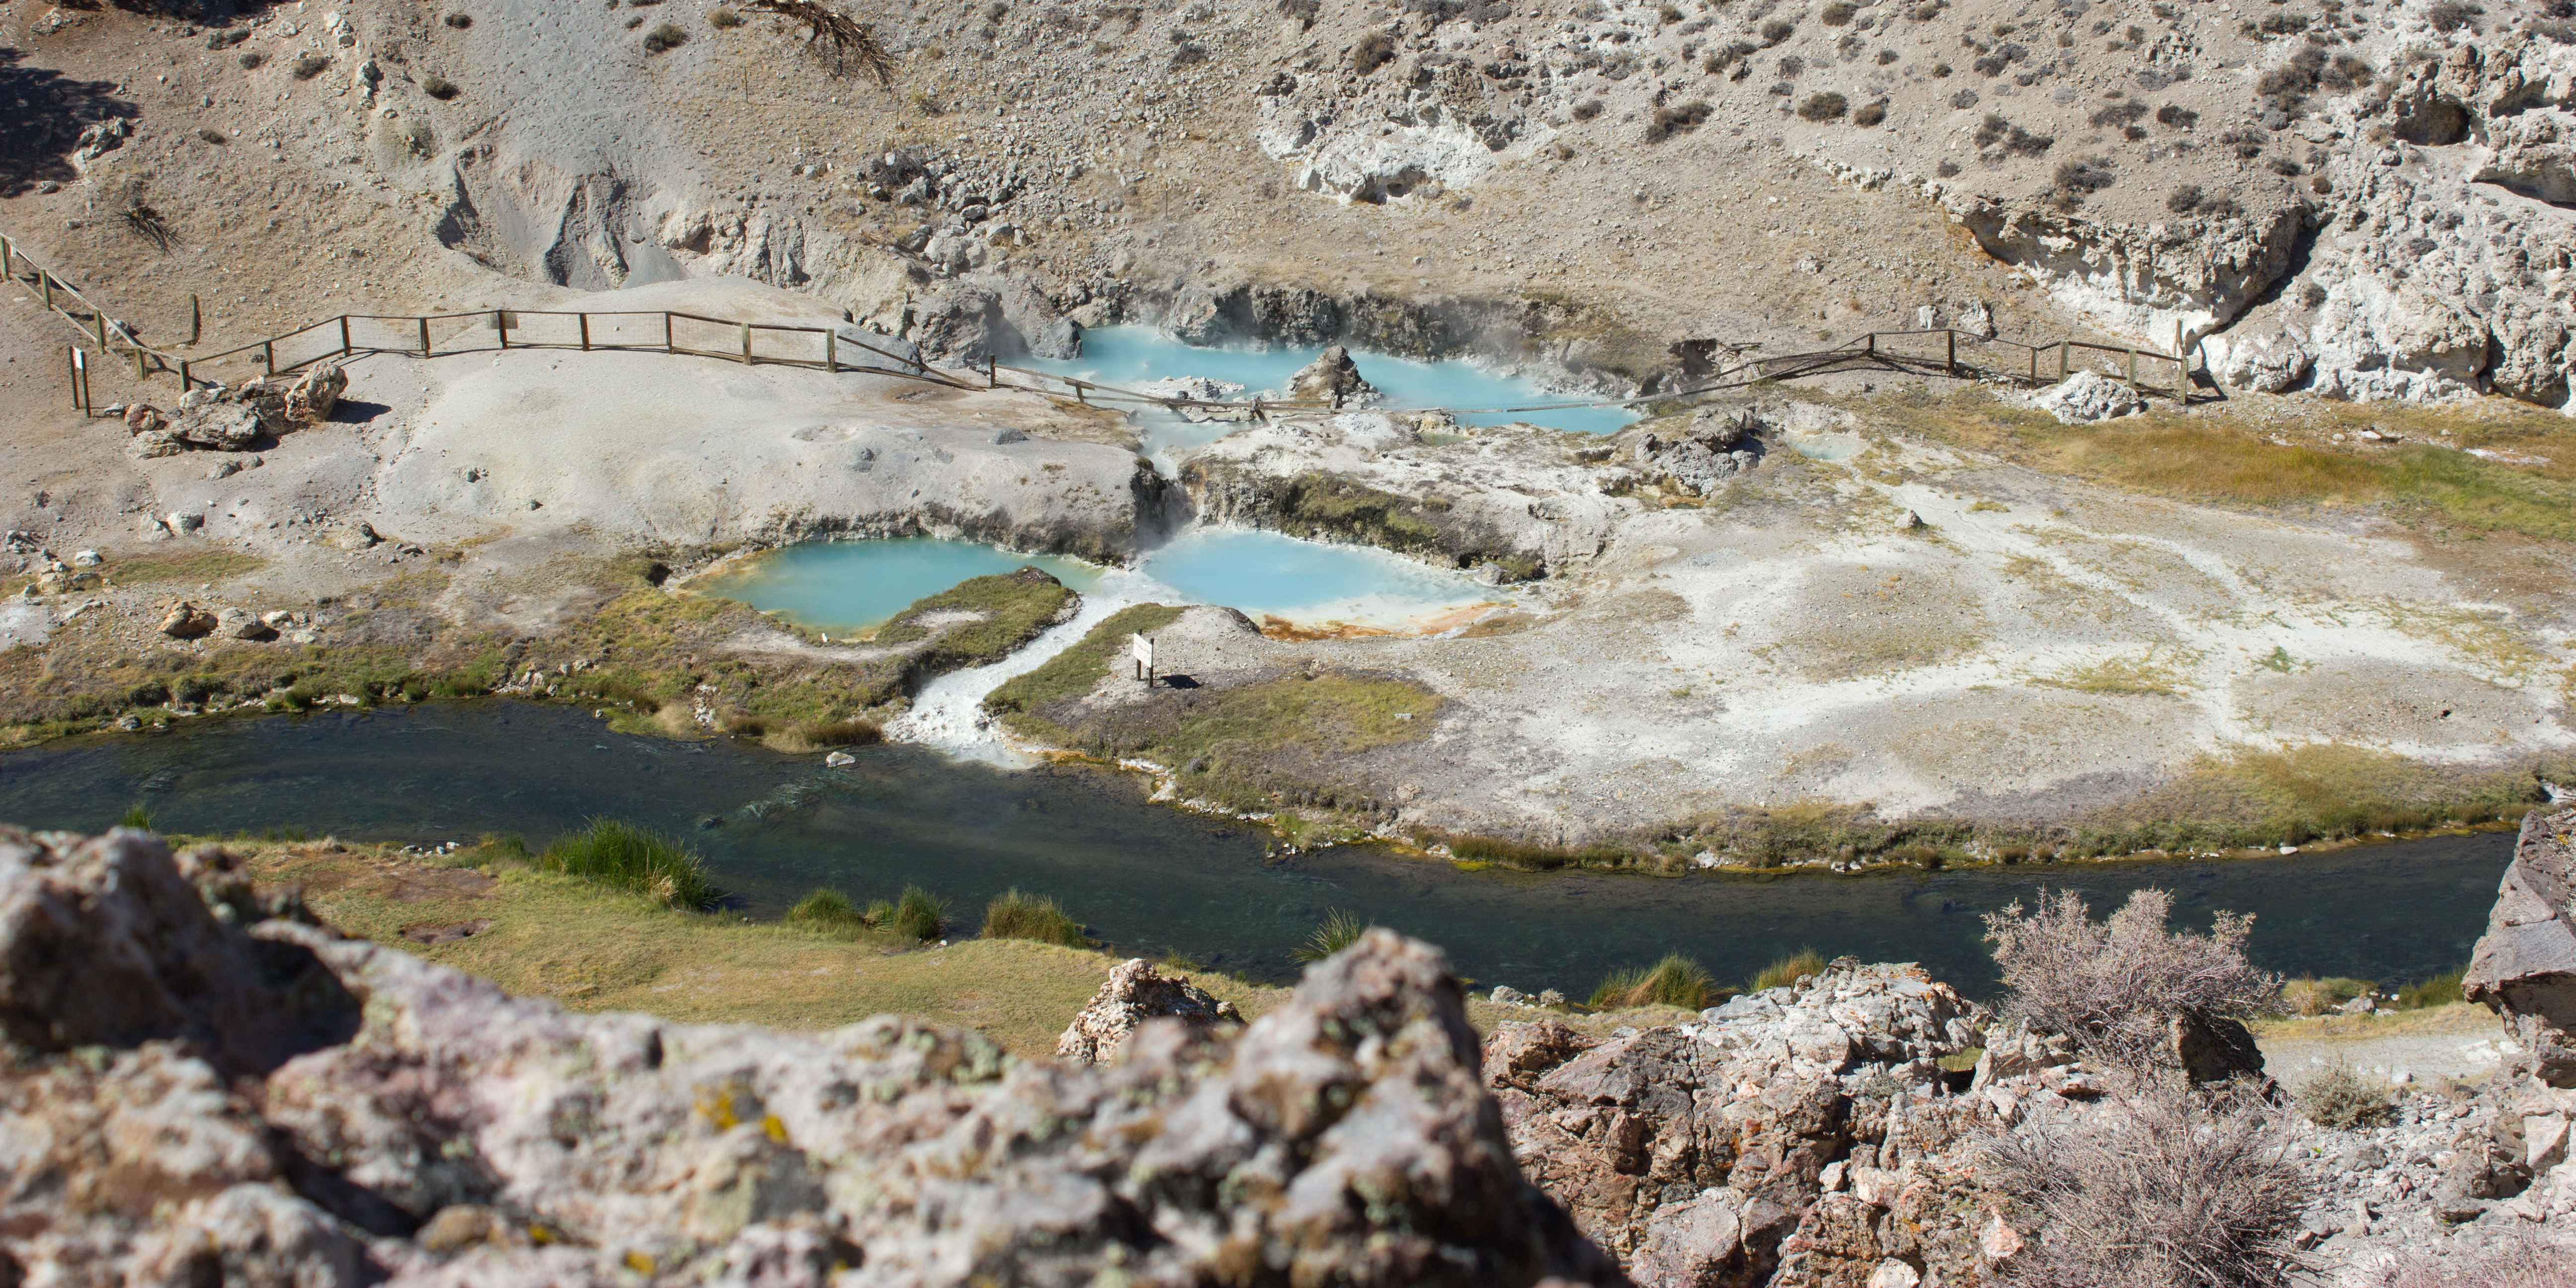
{"type": "Point", "coordinates": [1150, 879]}
{"type": "Point", "coordinates": [852, 585]}
{"type": "Point", "coordinates": [1129, 356]}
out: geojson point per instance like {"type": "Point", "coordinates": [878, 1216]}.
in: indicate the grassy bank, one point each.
{"type": "Point", "coordinates": [594, 948]}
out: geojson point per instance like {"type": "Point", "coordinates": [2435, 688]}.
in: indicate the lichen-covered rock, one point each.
{"type": "Point", "coordinates": [1135, 993]}
{"type": "Point", "coordinates": [205, 1130]}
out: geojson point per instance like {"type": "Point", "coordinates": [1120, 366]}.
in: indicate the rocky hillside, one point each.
{"type": "Point", "coordinates": [2352, 197]}
{"type": "Point", "coordinates": [205, 1084]}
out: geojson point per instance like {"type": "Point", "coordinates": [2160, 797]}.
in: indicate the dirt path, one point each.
{"type": "Point", "coordinates": [2459, 1041]}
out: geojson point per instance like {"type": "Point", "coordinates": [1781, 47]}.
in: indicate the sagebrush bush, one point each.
{"type": "Point", "coordinates": [459, 21]}
{"type": "Point", "coordinates": [2116, 987]}
{"type": "Point", "coordinates": [438, 87]}
{"type": "Point", "coordinates": [1674, 981]}
{"type": "Point", "coordinates": [1374, 50]}
{"type": "Point", "coordinates": [308, 66]}
{"type": "Point", "coordinates": [724, 19]}
{"type": "Point", "coordinates": [668, 36]}
{"type": "Point", "coordinates": [1677, 119]}
{"type": "Point", "coordinates": [1823, 105]}
{"type": "Point", "coordinates": [2343, 1099]}
{"type": "Point", "coordinates": [623, 856]}
{"type": "Point", "coordinates": [1790, 969]}
{"type": "Point", "coordinates": [1868, 114]}
{"type": "Point", "coordinates": [2515, 1256]}
{"type": "Point", "coordinates": [2156, 1189]}
{"type": "Point", "coordinates": [1016, 915]}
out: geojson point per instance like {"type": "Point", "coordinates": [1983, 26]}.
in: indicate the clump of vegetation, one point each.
{"type": "Point", "coordinates": [1869, 114]}
{"type": "Point", "coordinates": [2341, 1099]}
{"type": "Point", "coordinates": [2166, 1186]}
{"type": "Point", "coordinates": [1676, 119]}
{"type": "Point", "coordinates": [2176, 116]}
{"type": "Point", "coordinates": [212, 135]}
{"type": "Point", "coordinates": [438, 87]}
{"type": "Point", "coordinates": [2442, 990]}
{"type": "Point", "coordinates": [1823, 105]}
{"type": "Point", "coordinates": [308, 66]}
{"type": "Point", "coordinates": [2077, 179]}
{"type": "Point", "coordinates": [1012, 608]}
{"type": "Point", "coordinates": [1837, 14]}
{"type": "Point", "coordinates": [459, 21]}
{"type": "Point", "coordinates": [1994, 130]}
{"type": "Point", "coordinates": [2311, 996]}
{"type": "Point", "coordinates": [2120, 113]}
{"type": "Point", "coordinates": [149, 224]}
{"type": "Point", "coordinates": [1337, 931]}
{"type": "Point", "coordinates": [830, 912]}
{"type": "Point", "coordinates": [2116, 987]}
{"type": "Point", "coordinates": [724, 19]}
{"type": "Point", "coordinates": [842, 44]}
{"type": "Point", "coordinates": [2451, 15]}
{"type": "Point", "coordinates": [1014, 914]}
{"type": "Point", "coordinates": [137, 817]}
{"type": "Point", "coordinates": [1775, 31]}
{"type": "Point", "coordinates": [1675, 981]}
{"type": "Point", "coordinates": [251, 59]}
{"type": "Point", "coordinates": [1787, 972]}
{"type": "Point", "coordinates": [2190, 200]}
{"type": "Point", "coordinates": [1587, 109]}
{"type": "Point", "coordinates": [623, 856]}
{"type": "Point", "coordinates": [1374, 50]}
{"type": "Point", "coordinates": [918, 914]}
{"type": "Point", "coordinates": [667, 36]}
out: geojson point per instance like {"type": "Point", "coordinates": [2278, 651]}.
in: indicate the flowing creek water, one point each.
{"type": "Point", "coordinates": [1150, 879]}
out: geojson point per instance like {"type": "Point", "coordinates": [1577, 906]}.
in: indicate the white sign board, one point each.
{"type": "Point", "coordinates": [1143, 651]}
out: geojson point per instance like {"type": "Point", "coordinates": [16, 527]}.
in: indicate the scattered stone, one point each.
{"type": "Point", "coordinates": [88, 559]}
{"type": "Point", "coordinates": [1506, 995]}
{"type": "Point", "coordinates": [183, 522]}
{"type": "Point", "coordinates": [186, 621]}
{"type": "Point", "coordinates": [1135, 993]}
{"type": "Point", "coordinates": [238, 624]}
{"type": "Point", "coordinates": [2086, 397]}
{"type": "Point", "coordinates": [840, 759]}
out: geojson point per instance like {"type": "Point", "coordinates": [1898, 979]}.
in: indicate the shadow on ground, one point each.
{"type": "Point", "coordinates": [42, 113]}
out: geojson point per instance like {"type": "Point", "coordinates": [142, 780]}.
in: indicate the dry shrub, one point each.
{"type": "Point", "coordinates": [2342, 1099]}
{"type": "Point", "coordinates": [668, 36]}
{"type": "Point", "coordinates": [2518, 1256]}
{"type": "Point", "coordinates": [2117, 987]}
{"type": "Point", "coordinates": [841, 43]}
{"type": "Point", "coordinates": [2312, 997]}
{"type": "Point", "coordinates": [2165, 1188]}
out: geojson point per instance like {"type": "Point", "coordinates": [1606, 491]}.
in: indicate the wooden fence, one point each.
{"type": "Point", "coordinates": [672, 332]}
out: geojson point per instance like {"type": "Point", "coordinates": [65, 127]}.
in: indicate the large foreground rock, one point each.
{"type": "Point", "coordinates": [195, 1102]}
{"type": "Point", "coordinates": [2525, 965]}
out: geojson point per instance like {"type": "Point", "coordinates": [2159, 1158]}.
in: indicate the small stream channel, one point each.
{"type": "Point", "coordinates": [1148, 878]}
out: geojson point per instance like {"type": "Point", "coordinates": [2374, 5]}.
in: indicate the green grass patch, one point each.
{"type": "Point", "coordinates": [2310, 996]}
{"type": "Point", "coordinates": [1014, 607]}
{"type": "Point", "coordinates": [1077, 670]}
{"type": "Point", "coordinates": [1016, 914]}
{"type": "Point", "coordinates": [622, 856]}
{"type": "Point", "coordinates": [136, 817]}
{"type": "Point", "coordinates": [828, 912]}
{"type": "Point", "coordinates": [197, 566]}
{"type": "Point", "coordinates": [919, 915]}
{"type": "Point", "coordinates": [1675, 981]}
{"type": "Point", "coordinates": [2444, 989]}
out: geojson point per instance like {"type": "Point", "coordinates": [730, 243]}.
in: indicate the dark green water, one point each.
{"type": "Point", "coordinates": [1150, 879]}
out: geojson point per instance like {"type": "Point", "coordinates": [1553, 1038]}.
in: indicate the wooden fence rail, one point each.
{"type": "Point", "coordinates": [411, 335]}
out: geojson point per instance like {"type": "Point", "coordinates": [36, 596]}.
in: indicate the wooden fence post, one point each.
{"type": "Point", "coordinates": [2061, 360]}
{"type": "Point", "coordinates": [746, 344]}
{"type": "Point", "coordinates": [139, 373]}
{"type": "Point", "coordinates": [2034, 366]}
{"type": "Point", "coordinates": [1871, 347]}
{"type": "Point", "coordinates": [183, 377]}
{"type": "Point", "coordinates": [424, 337]}
{"type": "Point", "coordinates": [501, 326]}
{"type": "Point", "coordinates": [1077, 397]}
{"type": "Point", "coordinates": [2133, 367]}
{"type": "Point", "coordinates": [667, 347]}
{"type": "Point", "coordinates": [345, 350]}
{"type": "Point", "coordinates": [585, 331]}
{"type": "Point", "coordinates": [1951, 335]}
{"type": "Point", "coordinates": [990, 381]}
{"type": "Point", "coordinates": [196, 319]}
{"type": "Point", "coordinates": [98, 321]}
{"type": "Point", "coordinates": [8, 253]}
{"type": "Point", "coordinates": [831, 351]}
{"type": "Point", "coordinates": [268, 355]}
{"type": "Point", "coordinates": [75, 370]}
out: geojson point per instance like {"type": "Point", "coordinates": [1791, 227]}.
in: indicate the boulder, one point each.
{"type": "Point", "coordinates": [2524, 967]}
{"type": "Point", "coordinates": [310, 399]}
{"type": "Point", "coordinates": [239, 624]}
{"type": "Point", "coordinates": [186, 621]}
{"type": "Point", "coordinates": [1332, 377]}
{"type": "Point", "coordinates": [1135, 993]}
{"type": "Point", "coordinates": [225, 427]}
{"type": "Point", "coordinates": [1714, 446]}
{"type": "Point", "coordinates": [449, 1133]}
{"type": "Point", "coordinates": [154, 443]}
{"type": "Point", "coordinates": [142, 418]}
{"type": "Point", "coordinates": [2086, 397]}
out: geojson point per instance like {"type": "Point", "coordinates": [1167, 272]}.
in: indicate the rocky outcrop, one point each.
{"type": "Point", "coordinates": [2086, 397]}
{"type": "Point", "coordinates": [1135, 993]}
{"type": "Point", "coordinates": [1803, 1135]}
{"type": "Point", "coordinates": [2525, 966]}
{"type": "Point", "coordinates": [234, 419]}
{"type": "Point", "coordinates": [209, 1091]}
{"type": "Point", "coordinates": [2196, 273]}
{"type": "Point", "coordinates": [1332, 378]}
{"type": "Point", "coordinates": [1716, 444]}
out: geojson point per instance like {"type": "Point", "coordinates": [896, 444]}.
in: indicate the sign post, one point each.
{"type": "Point", "coordinates": [1142, 649]}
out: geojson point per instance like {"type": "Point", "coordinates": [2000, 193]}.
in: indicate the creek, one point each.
{"type": "Point", "coordinates": [1150, 879]}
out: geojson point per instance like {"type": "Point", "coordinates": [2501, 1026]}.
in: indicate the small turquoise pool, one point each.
{"type": "Point", "coordinates": [854, 585]}
{"type": "Point", "coordinates": [858, 585]}
{"type": "Point", "coordinates": [1130, 356]}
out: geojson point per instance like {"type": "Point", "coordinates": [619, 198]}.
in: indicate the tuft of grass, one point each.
{"type": "Point", "coordinates": [308, 66]}
{"type": "Point", "coordinates": [2441, 990]}
{"type": "Point", "coordinates": [1014, 914]}
{"type": "Point", "coordinates": [1824, 105]}
{"type": "Point", "coordinates": [623, 856]}
{"type": "Point", "coordinates": [830, 912]}
{"type": "Point", "coordinates": [2341, 1099]}
{"type": "Point", "coordinates": [918, 915]}
{"type": "Point", "coordinates": [668, 36]}
{"type": "Point", "coordinates": [213, 565]}
{"type": "Point", "coordinates": [251, 59]}
{"type": "Point", "coordinates": [1337, 931]}
{"type": "Point", "coordinates": [211, 135]}
{"type": "Point", "coordinates": [137, 817]}
{"type": "Point", "coordinates": [2310, 996]}
{"type": "Point", "coordinates": [1674, 981]}
{"type": "Point", "coordinates": [1789, 970]}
